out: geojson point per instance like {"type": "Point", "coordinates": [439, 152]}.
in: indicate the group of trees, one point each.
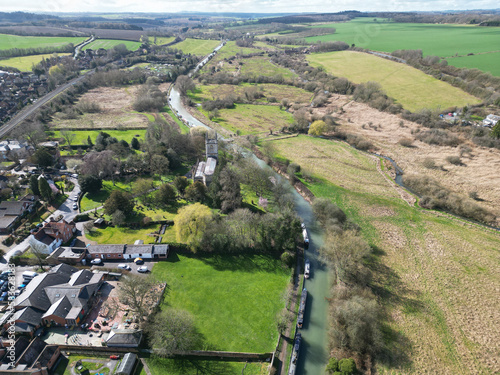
{"type": "Point", "coordinates": [354, 312]}
{"type": "Point", "coordinates": [149, 97]}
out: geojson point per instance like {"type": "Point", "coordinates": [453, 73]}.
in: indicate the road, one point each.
{"type": "Point", "coordinates": [66, 210]}
{"type": "Point", "coordinates": [79, 47]}
{"type": "Point", "coordinates": [31, 109]}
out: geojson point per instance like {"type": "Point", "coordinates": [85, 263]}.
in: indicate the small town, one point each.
{"type": "Point", "coordinates": [249, 188]}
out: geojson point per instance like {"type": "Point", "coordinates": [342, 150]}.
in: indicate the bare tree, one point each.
{"type": "Point", "coordinates": [68, 136]}
{"type": "Point", "coordinates": [31, 131]}
{"type": "Point", "coordinates": [185, 84]}
{"type": "Point", "coordinates": [138, 293]}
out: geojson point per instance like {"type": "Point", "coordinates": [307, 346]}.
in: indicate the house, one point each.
{"type": "Point", "coordinates": [11, 149]}
{"type": "Point", "coordinates": [33, 358]}
{"type": "Point", "coordinates": [127, 364]}
{"type": "Point", "coordinates": [69, 255]}
{"type": "Point", "coordinates": [12, 212]}
{"type": "Point", "coordinates": [105, 251]}
{"type": "Point", "coordinates": [113, 252]}
{"type": "Point", "coordinates": [124, 338]}
{"type": "Point", "coordinates": [62, 297]}
{"type": "Point", "coordinates": [52, 235]}
{"type": "Point", "coordinates": [491, 120]}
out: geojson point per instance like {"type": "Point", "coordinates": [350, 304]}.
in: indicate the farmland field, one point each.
{"type": "Point", "coordinates": [487, 62]}
{"type": "Point", "coordinates": [390, 36]}
{"type": "Point", "coordinates": [429, 269]}
{"type": "Point", "coordinates": [14, 41]}
{"type": "Point", "coordinates": [409, 86]}
{"type": "Point", "coordinates": [24, 63]}
{"type": "Point", "coordinates": [198, 47]}
{"type": "Point", "coordinates": [253, 119]}
{"type": "Point", "coordinates": [233, 299]}
{"type": "Point", "coordinates": [110, 43]}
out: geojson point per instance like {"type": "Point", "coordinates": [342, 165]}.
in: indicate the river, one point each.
{"type": "Point", "coordinates": [313, 352]}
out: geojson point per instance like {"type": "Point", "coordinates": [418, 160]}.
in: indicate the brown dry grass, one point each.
{"type": "Point", "coordinates": [436, 277]}
{"type": "Point", "coordinates": [117, 111]}
{"type": "Point", "coordinates": [480, 172]}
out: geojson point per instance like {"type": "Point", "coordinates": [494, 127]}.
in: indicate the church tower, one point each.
{"type": "Point", "coordinates": [211, 144]}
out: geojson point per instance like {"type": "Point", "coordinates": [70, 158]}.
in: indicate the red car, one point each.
{"type": "Point", "coordinates": [114, 356]}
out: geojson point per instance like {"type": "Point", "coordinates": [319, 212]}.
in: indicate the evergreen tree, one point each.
{"type": "Point", "coordinates": [44, 188]}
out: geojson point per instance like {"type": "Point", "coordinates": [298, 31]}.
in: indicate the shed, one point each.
{"type": "Point", "coordinates": [127, 364]}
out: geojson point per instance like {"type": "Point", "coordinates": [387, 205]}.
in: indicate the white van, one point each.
{"type": "Point", "coordinates": [29, 275]}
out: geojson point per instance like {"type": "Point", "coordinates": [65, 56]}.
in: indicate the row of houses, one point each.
{"type": "Point", "coordinates": [74, 255]}
{"type": "Point", "coordinates": [17, 90]}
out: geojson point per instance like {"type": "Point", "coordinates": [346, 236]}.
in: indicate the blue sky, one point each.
{"type": "Point", "coordinates": [260, 6]}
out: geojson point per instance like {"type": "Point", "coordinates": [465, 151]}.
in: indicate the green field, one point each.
{"type": "Point", "coordinates": [409, 86]}
{"type": "Point", "coordinates": [82, 135]}
{"type": "Point", "coordinates": [8, 41]}
{"type": "Point", "coordinates": [118, 235]}
{"type": "Point", "coordinates": [487, 62]}
{"type": "Point", "coordinates": [253, 119]}
{"type": "Point", "coordinates": [231, 49]}
{"type": "Point", "coordinates": [110, 43]}
{"type": "Point", "coordinates": [24, 63]}
{"type": "Point", "coordinates": [160, 40]}
{"type": "Point", "coordinates": [269, 90]}
{"type": "Point", "coordinates": [233, 299]}
{"type": "Point", "coordinates": [198, 47]}
{"type": "Point", "coordinates": [428, 268]}
{"type": "Point", "coordinates": [432, 39]}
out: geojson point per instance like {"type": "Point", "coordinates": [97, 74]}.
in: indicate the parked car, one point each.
{"type": "Point", "coordinates": [124, 266]}
{"type": "Point", "coordinates": [4, 295]}
{"type": "Point", "coordinates": [75, 206]}
{"type": "Point", "coordinates": [96, 261]}
{"type": "Point", "coordinates": [143, 269]}
{"type": "Point", "coordinates": [114, 356]}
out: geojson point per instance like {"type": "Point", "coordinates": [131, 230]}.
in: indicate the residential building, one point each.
{"type": "Point", "coordinates": [52, 235]}
{"type": "Point", "coordinates": [68, 255]}
{"type": "Point", "coordinates": [126, 366]}
{"type": "Point", "coordinates": [62, 297]}
{"type": "Point", "coordinates": [124, 338]}
{"type": "Point", "coordinates": [113, 252]}
{"type": "Point", "coordinates": [12, 211]}
{"type": "Point", "coordinates": [31, 358]}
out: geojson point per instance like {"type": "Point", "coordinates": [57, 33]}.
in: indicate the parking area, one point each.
{"type": "Point", "coordinates": [113, 264]}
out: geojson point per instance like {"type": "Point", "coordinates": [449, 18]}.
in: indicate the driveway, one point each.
{"type": "Point", "coordinates": [65, 210]}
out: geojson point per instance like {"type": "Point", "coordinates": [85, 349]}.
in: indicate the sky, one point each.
{"type": "Point", "coordinates": [244, 6]}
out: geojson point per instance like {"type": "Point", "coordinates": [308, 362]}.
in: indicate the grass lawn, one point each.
{"type": "Point", "coordinates": [253, 119]}
{"type": "Point", "coordinates": [198, 47]}
{"type": "Point", "coordinates": [184, 129]}
{"type": "Point", "coordinates": [118, 235]}
{"type": "Point", "coordinates": [24, 63]}
{"type": "Point", "coordinates": [409, 86]}
{"type": "Point", "coordinates": [67, 363]}
{"type": "Point", "coordinates": [8, 41]}
{"type": "Point", "coordinates": [110, 43]}
{"type": "Point", "coordinates": [488, 62]}
{"type": "Point", "coordinates": [82, 135]}
{"type": "Point", "coordinates": [162, 366]}
{"type": "Point", "coordinates": [234, 299]}
{"type": "Point", "coordinates": [261, 66]}
{"type": "Point", "coordinates": [428, 268]}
